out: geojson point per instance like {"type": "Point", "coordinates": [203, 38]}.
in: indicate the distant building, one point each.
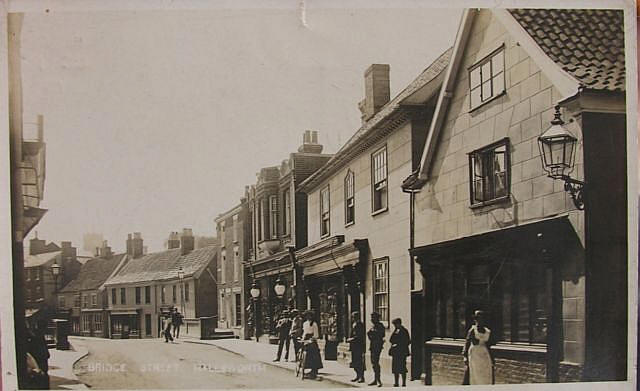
{"type": "Point", "coordinates": [233, 231]}
{"type": "Point", "coordinates": [86, 298]}
{"type": "Point", "coordinates": [143, 291]}
{"type": "Point", "coordinates": [91, 241]}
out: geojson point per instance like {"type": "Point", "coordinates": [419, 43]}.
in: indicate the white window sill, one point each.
{"type": "Point", "coordinates": [379, 211]}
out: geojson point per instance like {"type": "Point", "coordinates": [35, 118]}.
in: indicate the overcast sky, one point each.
{"type": "Point", "coordinates": [156, 120]}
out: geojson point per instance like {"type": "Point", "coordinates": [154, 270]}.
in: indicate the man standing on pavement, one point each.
{"type": "Point", "coordinates": [167, 329]}
{"type": "Point", "coordinates": [176, 320]}
{"type": "Point", "coordinates": [296, 331]}
{"type": "Point", "coordinates": [357, 346]}
{"type": "Point", "coordinates": [376, 340]}
{"type": "Point", "coordinates": [283, 327]}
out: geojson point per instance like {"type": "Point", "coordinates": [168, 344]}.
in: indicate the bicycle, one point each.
{"type": "Point", "coordinates": [302, 358]}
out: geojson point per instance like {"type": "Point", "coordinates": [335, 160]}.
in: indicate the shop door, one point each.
{"type": "Point", "coordinates": [417, 334]}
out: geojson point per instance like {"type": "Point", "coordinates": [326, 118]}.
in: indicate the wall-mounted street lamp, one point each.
{"type": "Point", "coordinates": [255, 294]}
{"type": "Point", "coordinates": [279, 288]}
{"type": "Point", "coordinates": [255, 291]}
{"type": "Point", "coordinates": [557, 151]}
{"type": "Point", "coordinates": [55, 270]}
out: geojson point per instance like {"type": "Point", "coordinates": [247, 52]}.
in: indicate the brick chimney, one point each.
{"type": "Point", "coordinates": [135, 247]}
{"type": "Point", "coordinates": [310, 142]}
{"type": "Point", "coordinates": [376, 90]}
{"type": "Point", "coordinates": [68, 251]}
{"type": "Point", "coordinates": [36, 246]}
{"type": "Point", "coordinates": [174, 240]}
{"type": "Point", "coordinates": [187, 241]}
{"type": "Point", "coordinates": [105, 250]}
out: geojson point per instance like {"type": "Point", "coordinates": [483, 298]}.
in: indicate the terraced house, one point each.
{"type": "Point", "coordinates": [531, 113]}
{"type": "Point", "coordinates": [358, 218]}
{"type": "Point", "coordinates": [142, 292]}
{"type": "Point", "coordinates": [86, 298]}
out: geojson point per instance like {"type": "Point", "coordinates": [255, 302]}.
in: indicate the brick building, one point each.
{"type": "Point", "coordinates": [278, 212]}
{"type": "Point", "coordinates": [85, 297]}
{"type": "Point", "coordinates": [493, 231]}
{"type": "Point", "coordinates": [141, 293]}
{"type": "Point", "coordinates": [233, 232]}
{"type": "Point", "coordinates": [358, 218]}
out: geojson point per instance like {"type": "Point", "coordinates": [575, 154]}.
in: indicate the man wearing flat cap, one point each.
{"type": "Point", "coordinates": [356, 346]}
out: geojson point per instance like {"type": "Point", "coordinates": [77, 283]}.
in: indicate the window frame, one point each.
{"type": "Point", "coordinates": [238, 309]}
{"type": "Point", "coordinates": [384, 317]}
{"type": "Point", "coordinates": [236, 263]}
{"type": "Point", "coordinates": [62, 302]}
{"type": "Point", "coordinates": [186, 291]}
{"type": "Point", "coordinates": [235, 228]}
{"type": "Point", "coordinates": [147, 294]}
{"type": "Point", "coordinates": [174, 293]}
{"type": "Point", "coordinates": [123, 296]}
{"type": "Point", "coordinates": [94, 300]}
{"type": "Point", "coordinates": [138, 295]}
{"type": "Point", "coordinates": [324, 218]}
{"type": "Point", "coordinates": [487, 152]}
{"type": "Point", "coordinates": [349, 195]}
{"type": "Point", "coordinates": [286, 210]}
{"type": "Point", "coordinates": [223, 267]}
{"type": "Point", "coordinates": [273, 216]}
{"type": "Point", "coordinates": [478, 65]}
{"type": "Point", "coordinates": [163, 295]}
{"type": "Point", "coordinates": [385, 181]}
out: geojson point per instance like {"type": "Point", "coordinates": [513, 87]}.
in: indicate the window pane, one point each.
{"type": "Point", "coordinates": [486, 71]}
{"type": "Point", "coordinates": [498, 83]}
{"type": "Point", "coordinates": [486, 90]}
{"type": "Point", "coordinates": [476, 99]}
{"type": "Point", "coordinates": [497, 62]}
{"type": "Point", "coordinates": [474, 77]}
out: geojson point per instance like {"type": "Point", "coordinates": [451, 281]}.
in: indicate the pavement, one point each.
{"type": "Point", "coordinates": [333, 371]}
{"type": "Point", "coordinates": [61, 376]}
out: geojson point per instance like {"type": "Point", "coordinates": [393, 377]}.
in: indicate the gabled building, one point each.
{"type": "Point", "coordinates": [278, 212]}
{"type": "Point", "coordinates": [358, 218]}
{"type": "Point", "coordinates": [142, 292]}
{"type": "Point", "coordinates": [233, 229]}
{"type": "Point", "coordinates": [85, 297]}
{"type": "Point", "coordinates": [494, 230]}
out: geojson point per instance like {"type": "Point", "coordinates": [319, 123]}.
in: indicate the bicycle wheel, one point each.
{"type": "Point", "coordinates": [303, 359]}
{"type": "Point", "coordinates": [299, 364]}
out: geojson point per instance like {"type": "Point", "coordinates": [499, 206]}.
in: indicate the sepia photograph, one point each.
{"type": "Point", "coordinates": [303, 194]}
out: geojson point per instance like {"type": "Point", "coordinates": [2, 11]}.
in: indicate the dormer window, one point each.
{"type": "Point", "coordinates": [486, 79]}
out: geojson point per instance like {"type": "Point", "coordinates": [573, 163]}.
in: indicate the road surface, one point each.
{"type": "Point", "coordinates": [152, 363]}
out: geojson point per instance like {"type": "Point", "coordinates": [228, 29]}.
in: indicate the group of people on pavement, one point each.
{"type": "Point", "coordinates": [172, 323]}
{"type": "Point", "coordinates": [399, 350]}
{"type": "Point", "coordinates": [304, 333]}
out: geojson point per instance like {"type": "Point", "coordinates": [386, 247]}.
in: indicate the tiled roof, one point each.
{"type": "Point", "coordinates": [163, 265]}
{"type": "Point", "coordinates": [369, 127]}
{"type": "Point", "coordinates": [587, 43]}
{"type": "Point", "coordinates": [40, 259]}
{"type": "Point", "coordinates": [94, 273]}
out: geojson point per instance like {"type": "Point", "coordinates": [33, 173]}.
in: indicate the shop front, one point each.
{"type": "Point", "coordinates": [334, 288]}
{"type": "Point", "coordinates": [125, 324]}
{"type": "Point", "coordinates": [516, 276]}
{"type": "Point", "coordinates": [92, 321]}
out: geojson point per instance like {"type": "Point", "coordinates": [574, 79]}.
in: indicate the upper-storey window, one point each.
{"type": "Point", "coordinates": [260, 220]}
{"type": "Point", "coordinates": [349, 197]}
{"type": "Point", "coordinates": [324, 212]}
{"type": "Point", "coordinates": [379, 179]}
{"type": "Point", "coordinates": [222, 233]}
{"type": "Point", "coordinates": [486, 78]}
{"type": "Point", "coordinates": [273, 216]}
{"type": "Point", "coordinates": [490, 172]}
{"type": "Point", "coordinates": [287, 212]}
{"type": "Point", "coordinates": [235, 228]}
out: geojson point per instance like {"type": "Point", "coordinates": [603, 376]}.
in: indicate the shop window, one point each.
{"type": "Point", "coordinates": [486, 79]}
{"type": "Point", "coordinates": [97, 322]}
{"type": "Point", "coordinates": [517, 305]}
{"type": "Point", "coordinates": [379, 180]}
{"type": "Point", "coordinates": [324, 212]}
{"type": "Point", "coordinates": [174, 294]}
{"type": "Point", "coordinates": [381, 288]}
{"type": "Point", "coordinates": [238, 308]}
{"type": "Point", "coordinates": [490, 173]}
{"type": "Point", "coordinates": [147, 295]}
{"type": "Point", "coordinates": [349, 197]}
{"type": "Point", "coordinates": [86, 323]}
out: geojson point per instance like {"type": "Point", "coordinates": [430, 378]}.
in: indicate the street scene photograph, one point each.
{"type": "Point", "coordinates": [291, 194]}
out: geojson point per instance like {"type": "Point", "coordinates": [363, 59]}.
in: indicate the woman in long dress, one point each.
{"type": "Point", "coordinates": [399, 351]}
{"type": "Point", "coordinates": [477, 353]}
{"type": "Point", "coordinates": [310, 335]}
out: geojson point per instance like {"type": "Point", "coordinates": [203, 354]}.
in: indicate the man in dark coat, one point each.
{"type": "Point", "coordinates": [376, 340]}
{"type": "Point", "coordinates": [283, 327]}
{"type": "Point", "coordinates": [356, 346]}
{"type": "Point", "coordinates": [296, 331]}
{"type": "Point", "coordinates": [37, 348]}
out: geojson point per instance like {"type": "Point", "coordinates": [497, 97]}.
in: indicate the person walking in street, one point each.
{"type": "Point", "coordinates": [399, 351]}
{"type": "Point", "coordinates": [283, 327]}
{"type": "Point", "coordinates": [376, 340]}
{"type": "Point", "coordinates": [296, 331]}
{"type": "Point", "coordinates": [176, 321]}
{"type": "Point", "coordinates": [167, 329]}
{"type": "Point", "coordinates": [356, 346]}
{"type": "Point", "coordinates": [37, 357]}
{"type": "Point", "coordinates": [310, 335]}
{"type": "Point", "coordinates": [477, 352]}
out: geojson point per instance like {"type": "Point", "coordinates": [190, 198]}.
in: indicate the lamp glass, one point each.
{"type": "Point", "coordinates": [55, 268]}
{"type": "Point", "coordinates": [255, 292]}
{"type": "Point", "coordinates": [280, 288]}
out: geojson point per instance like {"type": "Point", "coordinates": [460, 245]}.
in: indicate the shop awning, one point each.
{"type": "Point", "coordinates": [534, 241]}
{"type": "Point", "coordinates": [124, 312]}
{"type": "Point", "coordinates": [330, 255]}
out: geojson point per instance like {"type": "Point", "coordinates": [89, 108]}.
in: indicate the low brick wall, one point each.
{"type": "Point", "coordinates": [569, 372]}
